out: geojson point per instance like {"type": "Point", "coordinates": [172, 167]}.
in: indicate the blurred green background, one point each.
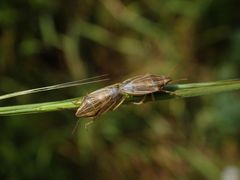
{"type": "Point", "coordinates": [45, 42]}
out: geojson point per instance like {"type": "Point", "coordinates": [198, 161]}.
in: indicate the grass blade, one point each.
{"type": "Point", "coordinates": [57, 86]}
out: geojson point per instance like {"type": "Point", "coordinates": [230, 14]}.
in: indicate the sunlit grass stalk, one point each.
{"type": "Point", "coordinates": [179, 91]}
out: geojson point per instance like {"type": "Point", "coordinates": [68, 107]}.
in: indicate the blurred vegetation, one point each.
{"type": "Point", "coordinates": [44, 42]}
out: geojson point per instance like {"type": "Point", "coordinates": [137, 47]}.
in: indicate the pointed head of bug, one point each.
{"type": "Point", "coordinates": [86, 108]}
{"type": "Point", "coordinates": [80, 111]}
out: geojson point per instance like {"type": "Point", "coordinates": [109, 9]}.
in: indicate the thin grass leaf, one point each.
{"type": "Point", "coordinates": [177, 91]}
{"type": "Point", "coordinates": [91, 80]}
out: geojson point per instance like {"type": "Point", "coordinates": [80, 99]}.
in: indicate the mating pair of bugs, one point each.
{"type": "Point", "coordinates": [107, 98]}
{"type": "Point", "coordinates": [111, 97]}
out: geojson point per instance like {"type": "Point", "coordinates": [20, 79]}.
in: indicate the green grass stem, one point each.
{"type": "Point", "coordinates": [178, 91]}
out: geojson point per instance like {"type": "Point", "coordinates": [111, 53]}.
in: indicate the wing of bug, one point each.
{"type": "Point", "coordinates": [132, 79]}
{"type": "Point", "coordinates": [144, 84]}
{"type": "Point", "coordinates": [57, 86]}
{"type": "Point", "coordinates": [99, 102]}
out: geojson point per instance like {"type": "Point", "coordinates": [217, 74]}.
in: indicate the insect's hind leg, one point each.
{"type": "Point", "coordinates": [117, 105]}
{"type": "Point", "coordinates": [142, 100]}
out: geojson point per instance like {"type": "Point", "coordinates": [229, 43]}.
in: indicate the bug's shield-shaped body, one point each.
{"type": "Point", "coordinates": [144, 84]}
{"type": "Point", "coordinates": [100, 101]}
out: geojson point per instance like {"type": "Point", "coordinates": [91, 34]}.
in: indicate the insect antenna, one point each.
{"type": "Point", "coordinates": [171, 71]}
{"type": "Point", "coordinates": [178, 80]}
{"type": "Point", "coordinates": [173, 68]}
{"type": "Point", "coordinates": [75, 127]}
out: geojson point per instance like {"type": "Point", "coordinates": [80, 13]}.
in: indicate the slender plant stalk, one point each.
{"type": "Point", "coordinates": [91, 80]}
{"type": "Point", "coordinates": [174, 91]}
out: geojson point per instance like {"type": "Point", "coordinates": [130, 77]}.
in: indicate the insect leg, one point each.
{"type": "Point", "coordinates": [142, 100]}
{"type": "Point", "coordinates": [168, 92]}
{"type": "Point", "coordinates": [105, 109]}
{"type": "Point", "coordinates": [122, 100]}
{"type": "Point", "coordinates": [153, 98]}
